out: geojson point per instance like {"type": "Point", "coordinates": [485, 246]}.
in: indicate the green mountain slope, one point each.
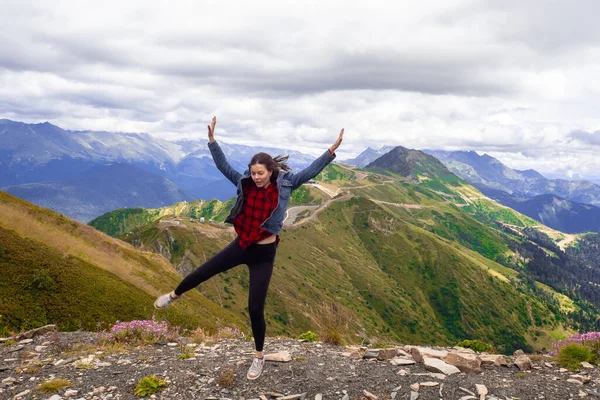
{"type": "Point", "coordinates": [56, 270]}
{"type": "Point", "coordinates": [398, 259]}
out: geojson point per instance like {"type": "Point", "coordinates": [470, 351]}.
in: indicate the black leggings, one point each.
{"type": "Point", "coordinates": [260, 259]}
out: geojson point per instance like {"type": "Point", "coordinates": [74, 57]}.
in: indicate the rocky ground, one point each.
{"type": "Point", "coordinates": [305, 370]}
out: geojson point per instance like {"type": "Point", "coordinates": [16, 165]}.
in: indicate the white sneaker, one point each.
{"type": "Point", "coordinates": [164, 300]}
{"type": "Point", "coordinates": [256, 368]}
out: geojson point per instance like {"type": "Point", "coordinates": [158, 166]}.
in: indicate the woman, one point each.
{"type": "Point", "coordinates": [263, 192]}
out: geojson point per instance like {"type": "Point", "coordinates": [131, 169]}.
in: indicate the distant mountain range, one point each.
{"type": "Point", "coordinates": [486, 171]}
{"type": "Point", "coordinates": [101, 189]}
{"type": "Point", "coordinates": [569, 206]}
{"type": "Point", "coordinates": [83, 174]}
{"type": "Point", "coordinates": [61, 169]}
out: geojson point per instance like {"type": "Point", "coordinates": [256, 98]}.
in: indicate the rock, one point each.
{"type": "Point", "coordinates": [467, 391]}
{"type": "Point", "coordinates": [562, 370]}
{"type": "Point", "coordinates": [402, 372]}
{"type": "Point", "coordinates": [437, 365]}
{"type": "Point", "coordinates": [369, 354]}
{"type": "Point", "coordinates": [369, 395]}
{"type": "Point", "coordinates": [420, 353]}
{"type": "Point", "coordinates": [548, 365]}
{"type": "Point", "coordinates": [22, 394]}
{"type": "Point", "coordinates": [37, 332]}
{"type": "Point", "coordinates": [55, 397]}
{"type": "Point", "coordinates": [9, 381]}
{"type": "Point", "coordinates": [519, 353]}
{"type": "Point", "coordinates": [523, 362]}
{"type": "Point", "coordinates": [414, 395]}
{"type": "Point", "coordinates": [402, 361]}
{"type": "Point", "coordinates": [482, 391]}
{"type": "Point", "coordinates": [415, 387]}
{"type": "Point", "coordinates": [469, 397]}
{"type": "Point", "coordinates": [301, 396]}
{"type": "Point", "coordinates": [26, 341]}
{"type": "Point", "coordinates": [282, 356]}
{"type": "Point", "coordinates": [587, 365]}
{"type": "Point", "coordinates": [464, 362]}
{"type": "Point", "coordinates": [39, 349]}
{"type": "Point", "coordinates": [581, 378]}
{"type": "Point", "coordinates": [17, 348]}
{"type": "Point", "coordinates": [386, 354]}
{"type": "Point", "coordinates": [575, 381]}
{"type": "Point", "coordinates": [433, 375]}
{"type": "Point", "coordinates": [429, 384]}
{"type": "Point", "coordinates": [70, 393]}
{"type": "Point", "coordinates": [319, 396]}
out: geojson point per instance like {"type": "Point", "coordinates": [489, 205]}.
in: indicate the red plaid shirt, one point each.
{"type": "Point", "coordinates": [259, 204]}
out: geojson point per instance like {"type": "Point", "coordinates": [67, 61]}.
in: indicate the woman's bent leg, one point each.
{"type": "Point", "coordinates": [229, 257]}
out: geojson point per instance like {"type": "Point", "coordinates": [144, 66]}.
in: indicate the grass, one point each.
{"type": "Point", "coordinates": [53, 385]}
{"type": "Point", "coordinates": [149, 385]}
{"type": "Point", "coordinates": [571, 356]}
{"type": "Point", "coordinates": [185, 352]}
{"type": "Point", "coordinates": [60, 271]}
{"type": "Point", "coordinates": [416, 275]}
{"type": "Point", "coordinates": [226, 378]}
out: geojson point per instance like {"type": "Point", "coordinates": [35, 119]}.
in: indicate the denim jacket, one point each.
{"type": "Point", "coordinates": [286, 182]}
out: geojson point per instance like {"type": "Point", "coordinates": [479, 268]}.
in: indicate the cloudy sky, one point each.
{"type": "Point", "coordinates": [519, 80]}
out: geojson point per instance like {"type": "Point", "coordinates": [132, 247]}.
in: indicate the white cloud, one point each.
{"type": "Point", "coordinates": [508, 78]}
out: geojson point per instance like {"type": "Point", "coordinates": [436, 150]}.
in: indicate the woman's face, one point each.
{"type": "Point", "coordinates": [261, 175]}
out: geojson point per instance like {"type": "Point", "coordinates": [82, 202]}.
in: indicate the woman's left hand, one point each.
{"type": "Point", "coordinates": [337, 143]}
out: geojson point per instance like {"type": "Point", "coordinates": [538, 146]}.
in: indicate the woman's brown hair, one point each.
{"type": "Point", "coordinates": [274, 164]}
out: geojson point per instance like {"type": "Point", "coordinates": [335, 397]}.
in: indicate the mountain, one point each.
{"type": "Point", "coordinates": [486, 171]}
{"type": "Point", "coordinates": [56, 166]}
{"type": "Point", "coordinates": [553, 211]}
{"type": "Point", "coordinates": [386, 257]}
{"type": "Point", "coordinates": [57, 270]}
{"type": "Point", "coordinates": [102, 189]}
{"type": "Point", "coordinates": [570, 206]}
{"type": "Point", "coordinates": [367, 156]}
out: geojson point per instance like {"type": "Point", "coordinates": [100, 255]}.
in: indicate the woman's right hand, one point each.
{"type": "Point", "coordinates": [211, 130]}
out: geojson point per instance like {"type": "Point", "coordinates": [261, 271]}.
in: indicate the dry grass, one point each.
{"type": "Point", "coordinates": [226, 378]}
{"type": "Point", "coordinates": [76, 239]}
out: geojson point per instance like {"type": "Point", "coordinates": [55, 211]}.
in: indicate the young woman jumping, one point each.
{"type": "Point", "coordinates": [263, 192]}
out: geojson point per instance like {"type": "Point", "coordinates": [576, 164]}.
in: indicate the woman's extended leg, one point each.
{"type": "Point", "coordinates": [229, 257]}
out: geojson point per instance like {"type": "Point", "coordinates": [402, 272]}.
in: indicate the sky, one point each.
{"type": "Point", "coordinates": [519, 80]}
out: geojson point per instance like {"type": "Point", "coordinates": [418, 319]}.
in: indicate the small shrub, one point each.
{"type": "Point", "coordinates": [186, 352]}
{"type": "Point", "coordinates": [309, 336]}
{"type": "Point", "coordinates": [332, 336]}
{"type": "Point", "coordinates": [53, 385]}
{"type": "Point", "coordinates": [334, 319]}
{"type": "Point", "coordinates": [28, 370]}
{"type": "Point", "coordinates": [591, 340]}
{"type": "Point", "coordinates": [571, 355]}
{"type": "Point", "coordinates": [149, 385]}
{"type": "Point", "coordinates": [475, 345]}
{"type": "Point", "coordinates": [140, 332]}
{"type": "Point", "coordinates": [199, 335]}
{"type": "Point", "coordinates": [226, 378]}
{"type": "Point", "coordinates": [228, 333]}
{"type": "Point", "coordinates": [521, 374]}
